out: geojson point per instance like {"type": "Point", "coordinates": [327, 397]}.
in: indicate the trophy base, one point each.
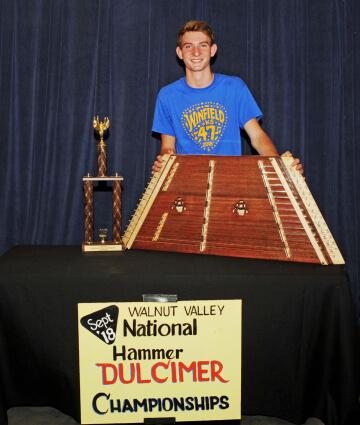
{"type": "Point", "coordinates": [102, 247]}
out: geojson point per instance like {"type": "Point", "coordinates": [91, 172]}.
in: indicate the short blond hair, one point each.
{"type": "Point", "coordinates": [196, 26]}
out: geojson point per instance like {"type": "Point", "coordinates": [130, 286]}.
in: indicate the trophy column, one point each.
{"type": "Point", "coordinates": [89, 211]}
{"type": "Point", "coordinates": [116, 209]}
{"type": "Point", "coordinates": [103, 244]}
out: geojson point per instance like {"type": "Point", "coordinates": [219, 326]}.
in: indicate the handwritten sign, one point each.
{"type": "Point", "coordinates": [157, 360]}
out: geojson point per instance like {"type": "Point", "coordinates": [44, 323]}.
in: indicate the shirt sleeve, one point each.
{"type": "Point", "coordinates": [248, 108]}
{"type": "Point", "coordinates": [162, 120]}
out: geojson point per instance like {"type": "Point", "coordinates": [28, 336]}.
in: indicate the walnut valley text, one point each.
{"type": "Point", "coordinates": [171, 310]}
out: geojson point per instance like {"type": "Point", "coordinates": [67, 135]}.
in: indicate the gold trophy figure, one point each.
{"type": "Point", "coordinates": [101, 127]}
{"type": "Point", "coordinates": [103, 244]}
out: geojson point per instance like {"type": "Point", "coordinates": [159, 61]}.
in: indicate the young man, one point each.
{"type": "Point", "coordinates": [202, 113]}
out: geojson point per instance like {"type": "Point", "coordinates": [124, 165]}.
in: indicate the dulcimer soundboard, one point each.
{"type": "Point", "coordinates": [238, 206]}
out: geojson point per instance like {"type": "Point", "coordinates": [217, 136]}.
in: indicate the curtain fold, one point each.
{"type": "Point", "coordinates": [62, 62]}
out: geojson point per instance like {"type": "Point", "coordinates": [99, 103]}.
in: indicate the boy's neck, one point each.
{"type": "Point", "coordinates": [199, 80]}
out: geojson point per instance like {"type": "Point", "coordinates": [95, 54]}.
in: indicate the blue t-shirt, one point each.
{"type": "Point", "coordinates": [206, 120]}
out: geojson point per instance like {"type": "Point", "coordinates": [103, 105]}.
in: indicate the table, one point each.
{"type": "Point", "coordinates": [300, 340]}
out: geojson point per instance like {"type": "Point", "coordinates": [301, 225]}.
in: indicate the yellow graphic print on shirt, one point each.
{"type": "Point", "coordinates": [205, 123]}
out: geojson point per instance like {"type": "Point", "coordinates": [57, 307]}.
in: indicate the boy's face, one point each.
{"type": "Point", "coordinates": [196, 51]}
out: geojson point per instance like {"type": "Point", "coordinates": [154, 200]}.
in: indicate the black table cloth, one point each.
{"type": "Point", "coordinates": [300, 339]}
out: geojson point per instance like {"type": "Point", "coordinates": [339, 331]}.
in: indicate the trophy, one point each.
{"type": "Point", "coordinates": [102, 244]}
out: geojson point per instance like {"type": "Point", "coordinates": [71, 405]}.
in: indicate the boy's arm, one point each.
{"type": "Point", "coordinates": [260, 141]}
{"type": "Point", "coordinates": [167, 147]}
{"type": "Point", "coordinates": [263, 144]}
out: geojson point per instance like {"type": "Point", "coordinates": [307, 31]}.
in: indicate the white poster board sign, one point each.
{"type": "Point", "coordinates": [160, 360]}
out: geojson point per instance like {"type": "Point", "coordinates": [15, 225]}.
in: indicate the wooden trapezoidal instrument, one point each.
{"type": "Point", "coordinates": [248, 206]}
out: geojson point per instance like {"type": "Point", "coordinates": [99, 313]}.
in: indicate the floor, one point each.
{"type": "Point", "coordinates": [50, 416]}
